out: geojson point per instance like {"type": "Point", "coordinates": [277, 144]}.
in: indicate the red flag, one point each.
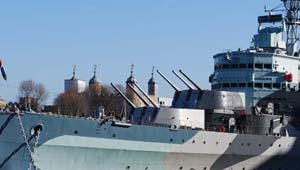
{"type": "Point", "coordinates": [0, 63]}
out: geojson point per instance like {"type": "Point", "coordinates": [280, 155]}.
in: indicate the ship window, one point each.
{"type": "Point", "coordinates": [234, 85]}
{"type": "Point", "coordinates": [250, 84]}
{"type": "Point", "coordinates": [234, 66]}
{"type": "Point", "coordinates": [250, 65]}
{"type": "Point", "coordinates": [243, 66]}
{"type": "Point", "coordinates": [225, 66]}
{"type": "Point", "coordinates": [276, 85]}
{"type": "Point", "coordinates": [226, 85]}
{"type": "Point", "coordinates": [242, 84]}
{"type": "Point", "coordinates": [268, 85]}
{"type": "Point", "coordinates": [268, 66]}
{"type": "Point", "coordinates": [258, 85]}
{"type": "Point", "coordinates": [217, 67]}
{"type": "Point", "coordinates": [259, 66]}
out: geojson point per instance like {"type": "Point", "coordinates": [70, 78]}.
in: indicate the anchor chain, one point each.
{"type": "Point", "coordinates": [31, 162]}
{"type": "Point", "coordinates": [26, 142]}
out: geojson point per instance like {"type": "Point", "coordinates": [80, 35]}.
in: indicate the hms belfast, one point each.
{"type": "Point", "coordinates": [248, 121]}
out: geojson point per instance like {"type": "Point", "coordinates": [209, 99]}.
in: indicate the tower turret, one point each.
{"type": "Point", "coordinates": [129, 93]}
{"type": "Point", "coordinates": [94, 83]}
{"type": "Point", "coordinates": [153, 87]}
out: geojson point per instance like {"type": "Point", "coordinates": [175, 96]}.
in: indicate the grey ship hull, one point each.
{"type": "Point", "coordinates": [81, 144]}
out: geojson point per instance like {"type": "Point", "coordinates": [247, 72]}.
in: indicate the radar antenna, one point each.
{"type": "Point", "coordinates": [292, 23]}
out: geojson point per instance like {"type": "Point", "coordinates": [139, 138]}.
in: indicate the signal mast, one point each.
{"type": "Point", "coordinates": [292, 20]}
{"type": "Point", "coordinates": [290, 9]}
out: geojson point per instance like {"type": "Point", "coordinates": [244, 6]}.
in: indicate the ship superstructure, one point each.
{"type": "Point", "coordinates": [261, 70]}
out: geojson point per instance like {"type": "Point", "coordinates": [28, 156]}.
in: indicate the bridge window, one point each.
{"type": "Point", "coordinates": [234, 66]}
{"type": "Point", "coordinates": [259, 66]}
{"type": "Point", "coordinates": [225, 66]}
{"type": "Point", "coordinates": [268, 66]}
{"type": "Point", "coordinates": [268, 85]}
{"type": "Point", "coordinates": [242, 65]}
{"type": "Point", "coordinates": [242, 84]}
{"type": "Point", "coordinates": [250, 84]}
{"type": "Point", "coordinates": [250, 65]}
{"type": "Point", "coordinates": [226, 85]}
{"type": "Point", "coordinates": [276, 85]}
{"type": "Point", "coordinates": [234, 85]}
{"type": "Point", "coordinates": [258, 85]}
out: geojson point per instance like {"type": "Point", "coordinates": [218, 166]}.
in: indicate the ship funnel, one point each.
{"type": "Point", "coordinates": [123, 96]}
{"type": "Point", "coordinates": [146, 95]}
{"type": "Point", "coordinates": [190, 80]}
{"type": "Point", "coordinates": [168, 81]}
{"type": "Point", "coordinates": [180, 78]}
{"type": "Point", "coordinates": [137, 93]}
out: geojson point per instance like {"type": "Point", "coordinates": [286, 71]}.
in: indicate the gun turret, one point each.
{"type": "Point", "coordinates": [190, 80]}
{"type": "Point", "coordinates": [168, 81]}
{"type": "Point", "coordinates": [181, 79]}
{"type": "Point", "coordinates": [143, 100]}
{"type": "Point", "coordinates": [148, 97]}
{"type": "Point", "coordinates": [123, 96]}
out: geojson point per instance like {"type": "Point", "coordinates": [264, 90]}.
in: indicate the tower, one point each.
{"type": "Point", "coordinates": [74, 84]}
{"type": "Point", "coordinates": [95, 84]}
{"type": "Point", "coordinates": [153, 87]}
{"type": "Point", "coordinates": [129, 93]}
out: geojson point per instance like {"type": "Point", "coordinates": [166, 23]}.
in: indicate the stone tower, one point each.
{"type": "Point", "coordinates": [95, 84]}
{"type": "Point", "coordinates": [153, 87]}
{"type": "Point", "coordinates": [129, 93]}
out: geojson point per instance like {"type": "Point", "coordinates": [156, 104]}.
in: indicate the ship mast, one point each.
{"type": "Point", "coordinates": [292, 8]}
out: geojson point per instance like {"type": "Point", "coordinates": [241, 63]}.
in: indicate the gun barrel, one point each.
{"type": "Point", "coordinates": [190, 80]}
{"type": "Point", "coordinates": [146, 95]}
{"type": "Point", "coordinates": [123, 96]}
{"type": "Point", "coordinates": [180, 78]}
{"type": "Point", "coordinates": [168, 81]}
{"type": "Point", "coordinates": [143, 100]}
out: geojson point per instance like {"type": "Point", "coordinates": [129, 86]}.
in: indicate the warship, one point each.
{"type": "Point", "coordinates": [248, 121]}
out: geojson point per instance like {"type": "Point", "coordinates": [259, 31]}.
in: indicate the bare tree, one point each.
{"type": "Point", "coordinates": [32, 93]}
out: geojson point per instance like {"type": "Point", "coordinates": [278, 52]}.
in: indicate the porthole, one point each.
{"type": "Point", "coordinates": [230, 144]}
{"type": "Point", "coordinates": [248, 144]}
{"type": "Point", "coordinates": [194, 141]}
{"type": "Point", "coordinates": [259, 145]}
{"type": "Point", "coordinates": [114, 135]}
{"type": "Point", "coordinates": [76, 132]}
{"type": "Point", "coordinates": [128, 167]}
{"type": "Point", "coordinates": [204, 142]}
{"type": "Point", "coordinates": [217, 143]}
{"type": "Point", "coordinates": [181, 168]}
{"type": "Point", "coordinates": [271, 144]}
{"type": "Point", "coordinates": [205, 168]}
{"type": "Point", "coordinates": [242, 144]}
{"type": "Point", "coordinates": [244, 168]}
{"type": "Point", "coordinates": [171, 140]}
{"type": "Point", "coordinates": [183, 140]}
{"type": "Point", "coordinates": [146, 168]}
{"type": "Point", "coordinates": [279, 145]}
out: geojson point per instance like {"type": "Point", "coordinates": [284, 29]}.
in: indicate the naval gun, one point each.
{"type": "Point", "coordinates": [173, 118]}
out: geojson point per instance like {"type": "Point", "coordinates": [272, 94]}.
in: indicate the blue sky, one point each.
{"type": "Point", "coordinates": [42, 40]}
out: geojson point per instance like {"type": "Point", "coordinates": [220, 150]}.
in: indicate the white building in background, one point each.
{"type": "Point", "coordinates": [75, 84]}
